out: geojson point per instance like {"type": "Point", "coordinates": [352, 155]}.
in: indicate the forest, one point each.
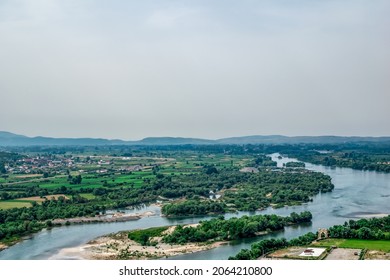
{"type": "Point", "coordinates": [361, 156]}
{"type": "Point", "coordinates": [193, 208]}
{"type": "Point", "coordinates": [219, 229]}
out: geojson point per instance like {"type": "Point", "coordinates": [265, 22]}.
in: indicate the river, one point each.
{"type": "Point", "coordinates": [357, 193]}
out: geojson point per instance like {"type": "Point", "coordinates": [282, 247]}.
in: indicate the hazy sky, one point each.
{"type": "Point", "coordinates": [210, 69]}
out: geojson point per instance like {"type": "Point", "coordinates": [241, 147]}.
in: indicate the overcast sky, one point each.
{"type": "Point", "coordinates": [208, 69]}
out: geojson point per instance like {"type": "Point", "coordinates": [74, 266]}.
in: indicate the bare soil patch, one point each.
{"type": "Point", "coordinates": [294, 253]}
{"type": "Point", "coordinates": [376, 255]}
{"type": "Point", "coordinates": [343, 254]}
{"type": "Point", "coordinates": [3, 246]}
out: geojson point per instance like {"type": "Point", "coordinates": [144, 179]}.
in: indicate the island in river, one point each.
{"type": "Point", "coordinates": [118, 246]}
{"type": "Point", "coordinates": [162, 242]}
{"type": "Point", "coordinates": [168, 241]}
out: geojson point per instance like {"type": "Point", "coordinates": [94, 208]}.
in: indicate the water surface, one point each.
{"type": "Point", "coordinates": [356, 193]}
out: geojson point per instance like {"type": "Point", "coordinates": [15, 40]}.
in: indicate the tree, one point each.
{"type": "Point", "coordinates": [365, 233]}
{"type": "Point", "coordinates": [144, 239]}
{"type": "Point", "coordinates": [5, 196]}
{"type": "Point", "coordinates": [210, 170]}
{"type": "Point", "coordinates": [249, 229]}
{"type": "Point", "coordinates": [2, 168]}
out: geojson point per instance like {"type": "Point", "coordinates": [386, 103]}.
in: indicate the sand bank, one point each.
{"type": "Point", "coordinates": [105, 218]}
{"type": "Point", "coordinates": [3, 246]}
{"type": "Point", "coordinates": [119, 246]}
{"type": "Point", "coordinates": [368, 216]}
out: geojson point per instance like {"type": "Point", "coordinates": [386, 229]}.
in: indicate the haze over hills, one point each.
{"type": "Point", "coordinates": [11, 139]}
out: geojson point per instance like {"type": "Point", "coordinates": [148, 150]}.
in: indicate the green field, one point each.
{"type": "Point", "coordinates": [13, 204]}
{"type": "Point", "coordinates": [88, 196]}
{"type": "Point", "coordinates": [380, 245]}
{"type": "Point", "coordinates": [135, 179]}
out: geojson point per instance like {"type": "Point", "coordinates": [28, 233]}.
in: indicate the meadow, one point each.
{"type": "Point", "coordinates": [380, 245]}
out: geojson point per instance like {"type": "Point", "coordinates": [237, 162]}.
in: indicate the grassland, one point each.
{"type": "Point", "coordinates": [27, 201]}
{"type": "Point", "coordinates": [380, 245]}
{"type": "Point", "coordinates": [88, 196]}
{"type": "Point", "coordinates": [14, 204]}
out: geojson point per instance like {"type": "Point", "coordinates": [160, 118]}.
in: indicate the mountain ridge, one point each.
{"type": "Point", "coordinates": [11, 139]}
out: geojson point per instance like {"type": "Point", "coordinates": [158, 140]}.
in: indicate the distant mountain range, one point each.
{"type": "Point", "coordinates": [11, 139]}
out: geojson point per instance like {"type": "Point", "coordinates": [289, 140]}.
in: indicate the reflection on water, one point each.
{"type": "Point", "coordinates": [357, 193]}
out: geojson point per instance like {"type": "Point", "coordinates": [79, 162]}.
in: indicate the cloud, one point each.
{"type": "Point", "coordinates": [194, 68]}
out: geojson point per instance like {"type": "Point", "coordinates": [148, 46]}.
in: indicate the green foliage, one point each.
{"type": "Point", "coordinates": [193, 207]}
{"type": "Point", "coordinates": [75, 180]}
{"type": "Point", "coordinates": [297, 164]}
{"type": "Point", "coordinates": [264, 161]}
{"type": "Point", "coordinates": [143, 236]}
{"type": "Point", "coordinates": [260, 190]}
{"type": "Point", "coordinates": [234, 228]}
{"type": "Point", "coordinates": [2, 168]}
{"type": "Point", "coordinates": [375, 229]}
{"type": "Point", "coordinates": [356, 156]}
{"type": "Point", "coordinates": [303, 240]}
{"type": "Point", "coordinates": [355, 234]}
{"type": "Point", "coordinates": [12, 220]}
{"type": "Point", "coordinates": [210, 170]}
{"type": "Point", "coordinates": [269, 245]}
{"type": "Point", "coordinates": [260, 248]}
{"type": "Point", "coordinates": [380, 245]}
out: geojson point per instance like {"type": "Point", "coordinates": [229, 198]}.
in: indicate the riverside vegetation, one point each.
{"type": "Point", "coordinates": [203, 236]}
{"type": "Point", "coordinates": [361, 156]}
{"type": "Point", "coordinates": [363, 234]}
{"type": "Point", "coordinates": [186, 180]}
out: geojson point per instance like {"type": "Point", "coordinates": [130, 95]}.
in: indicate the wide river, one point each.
{"type": "Point", "coordinates": [356, 194]}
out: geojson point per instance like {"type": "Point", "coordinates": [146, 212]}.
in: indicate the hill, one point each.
{"type": "Point", "coordinates": [11, 139]}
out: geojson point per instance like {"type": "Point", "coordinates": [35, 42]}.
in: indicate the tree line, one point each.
{"type": "Point", "coordinates": [193, 208]}
{"type": "Point", "coordinates": [218, 229]}
{"type": "Point", "coordinates": [374, 229]}
{"type": "Point", "coordinates": [263, 247]}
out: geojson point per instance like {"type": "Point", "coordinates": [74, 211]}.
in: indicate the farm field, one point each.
{"type": "Point", "coordinates": [381, 245]}
{"type": "Point", "coordinates": [13, 204]}
{"type": "Point", "coordinates": [188, 181]}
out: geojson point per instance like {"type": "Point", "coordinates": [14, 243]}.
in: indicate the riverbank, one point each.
{"type": "Point", "coordinates": [355, 193]}
{"type": "Point", "coordinates": [105, 218]}
{"type": "Point", "coordinates": [370, 216]}
{"type": "Point", "coordinates": [119, 246]}
{"type": "Point", "coordinates": [3, 246]}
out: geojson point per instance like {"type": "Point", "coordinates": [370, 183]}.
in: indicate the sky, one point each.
{"type": "Point", "coordinates": [206, 69]}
